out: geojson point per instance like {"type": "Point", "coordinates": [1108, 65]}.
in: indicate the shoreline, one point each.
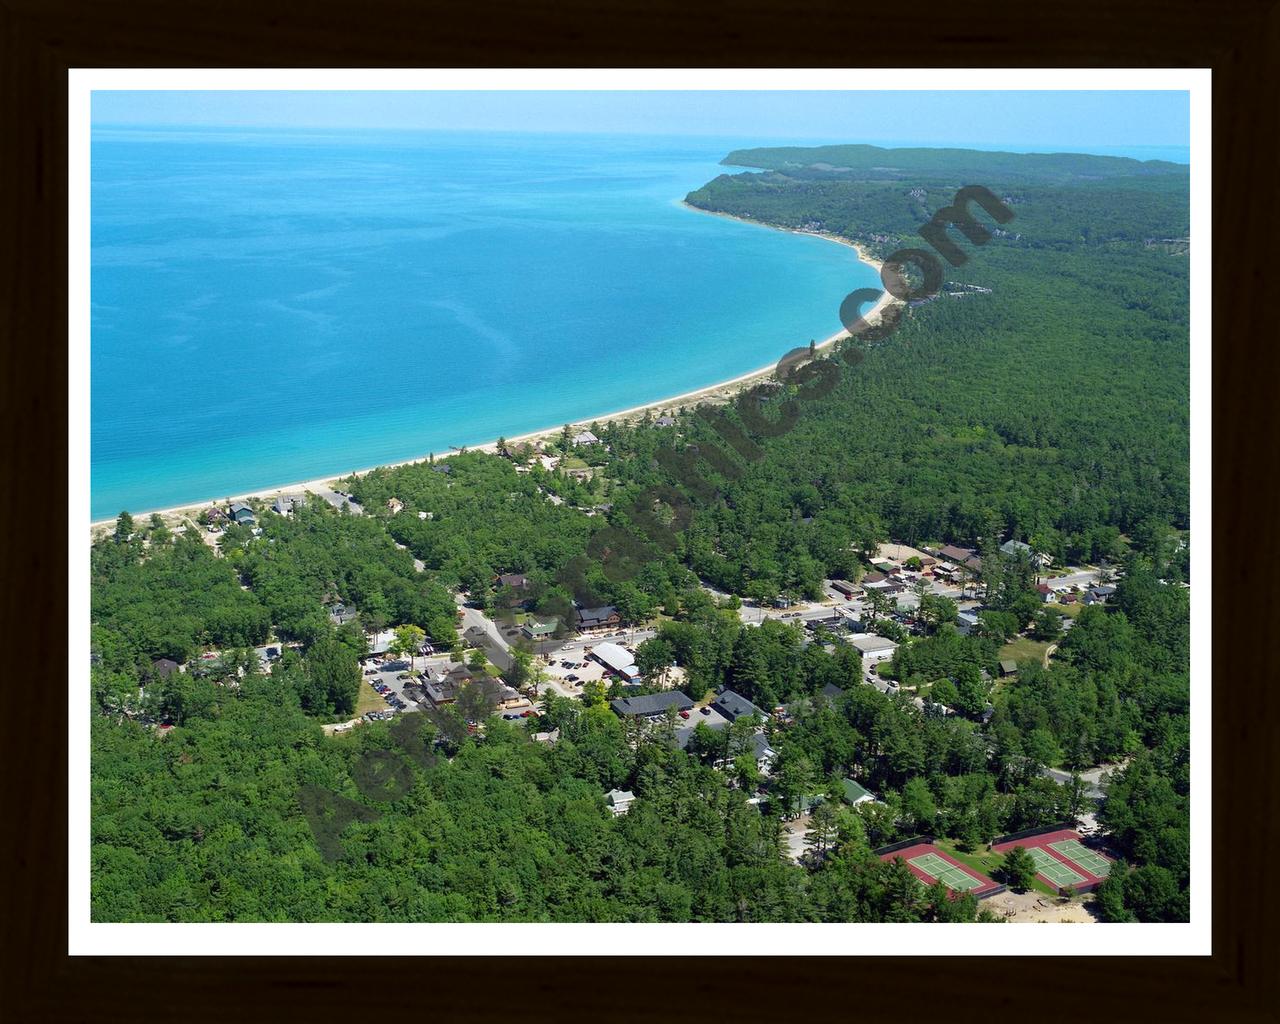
{"type": "Point", "coordinates": [722, 391]}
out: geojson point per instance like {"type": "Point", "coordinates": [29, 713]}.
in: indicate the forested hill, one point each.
{"type": "Point", "coordinates": [876, 163]}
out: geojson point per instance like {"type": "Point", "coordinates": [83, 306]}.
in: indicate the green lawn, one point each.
{"type": "Point", "coordinates": [1024, 649]}
{"type": "Point", "coordinates": [368, 699]}
{"type": "Point", "coordinates": [982, 859]}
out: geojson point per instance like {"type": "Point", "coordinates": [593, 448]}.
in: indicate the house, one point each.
{"type": "Point", "coordinates": [514, 580]}
{"type": "Point", "coordinates": [854, 794]}
{"type": "Point", "coordinates": [685, 734]}
{"type": "Point", "coordinates": [549, 738]}
{"type": "Point", "coordinates": [268, 654]}
{"type": "Point", "coordinates": [966, 622]}
{"type": "Point", "coordinates": [287, 504]}
{"type": "Point", "coordinates": [441, 467]}
{"type": "Point", "coordinates": [1016, 549]}
{"type": "Point", "coordinates": [872, 579]}
{"type": "Point", "coordinates": [617, 660]}
{"type": "Point", "coordinates": [651, 705]}
{"type": "Point", "coordinates": [241, 513]}
{"type": "Point", "coordinates": [832, 692]}
{"type": "Point", "coordinates": [956, 555]}
{"type": "Point", "coordinates": [163, 668]}
{"type": "Point", "coordinates": [1046, 594]}
{"type": "Point", "coordinates": [443, 684]}
{"type": "Point", "coordinates": [873, 648]}
{"type": "Point", "coordinates": [533, 630]}
{"type": "Point", "coordinates": [844, 587]}
{"type": "Point", "coordinates": [764, 754]}
{"type": "Point", "coordinates": [833, 621]}
{"type": "Point", "coordinates": [1008, 667]}
{"type": "Point", "coordinates": [734, 706]}
{"type": "Point", "coordinates": [340, 614]}
{"type": "Point", "coordinates": [585, 437]}
{"type": "Point", "coordinates": [665, 421]}
{"type": "Point", "coordinates": [619, 801]}
{"type": "Point", "coordinates": [395, 506]}
{"type": "Point", "coordinates": [594, 618]}
{"type": "Point", "coordinates": [1012, 548]}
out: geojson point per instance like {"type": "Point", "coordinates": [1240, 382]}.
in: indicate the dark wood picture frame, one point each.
{"type": "Point", "coordinates": [41, 39]}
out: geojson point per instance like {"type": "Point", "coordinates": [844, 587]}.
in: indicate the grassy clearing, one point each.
{"type": "Point", "coordinates": [368, 699]}
{"type": "Point", "coordinates": [1024, 649]}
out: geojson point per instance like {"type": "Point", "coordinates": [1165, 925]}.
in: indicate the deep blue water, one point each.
{"type": "Point", "coordinates": [269, 307]}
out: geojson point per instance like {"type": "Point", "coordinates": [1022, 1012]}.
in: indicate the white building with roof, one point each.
{"type": "Point", "coordinates": [873, 648]}
{"type": "Point", "coordinates": [617, 660]}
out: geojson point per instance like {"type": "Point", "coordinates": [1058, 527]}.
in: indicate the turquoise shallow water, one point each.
{"type": "Point", "coordinates": [269, 307]}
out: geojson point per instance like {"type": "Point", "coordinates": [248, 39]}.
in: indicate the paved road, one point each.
{"type": "Point", "coordinates": [1095, 779]}
{"type": "Point", "coordinates": [1084, 578]}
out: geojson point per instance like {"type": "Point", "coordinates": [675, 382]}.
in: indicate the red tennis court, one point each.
{"type": "Point", "coordinates": [1062, 859]}
{"type": "Point", "coordinates": [929, 864]}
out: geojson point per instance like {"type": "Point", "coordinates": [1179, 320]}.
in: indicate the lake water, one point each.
{"type": "Point", "coordinates": [271, 307]}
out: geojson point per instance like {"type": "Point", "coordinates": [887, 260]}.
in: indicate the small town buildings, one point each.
{"type": "Point", "coordinates": [594, 618]}
{"type": "Point", "coordinates": [617, 660]}
{"type": "Point", "coordinates": [163, 668]}
{"type": "Point", "coordinates": [1016, 548]}
{"type": "Point", "coordinates": [651, 705]}
{"type": "Point", "coordinates": [855, 794]}
{"type": "Point", "coordinates": [952, 553]}
{"type": "Point", "coordinates": [733, 706]}
{"type": "Point", "coordinates": [844, 587]}
{"type": "Point", "coordinates": [442, 684]}
{"type": "Point", "coordinates": [619, 801]}
{"type": "Point", "coordinates": [534, 630]}
{"type": "Point", "coordinates": [287, 504]}
{"type": "Point", "coordinates": [340, 614]}
{"type": "Point", "coordinates": [764, 754]}
{"type": "Point", "coordinates": [873, 648]}
{"type": "Point", "coordinates": [833, 621]}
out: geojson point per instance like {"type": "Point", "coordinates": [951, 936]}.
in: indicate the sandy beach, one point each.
{"type": "Point", "coordinates": [722, 392]}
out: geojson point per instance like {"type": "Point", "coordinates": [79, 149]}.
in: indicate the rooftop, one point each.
{"type": "Point", "coordinates": [652, 703]}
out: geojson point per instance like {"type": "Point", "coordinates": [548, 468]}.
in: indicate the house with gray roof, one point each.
{"type": "Point", "coordinates": [734, 706]}
{"type": "Point", "coordinates": [651, 705]}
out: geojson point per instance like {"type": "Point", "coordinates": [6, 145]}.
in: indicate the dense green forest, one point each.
{"type": "Point", "coordinates": [1052, 408]}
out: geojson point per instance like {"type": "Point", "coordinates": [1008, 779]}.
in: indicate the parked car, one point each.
{"type": "Point", "coordinates": [510, 715]}
{"type": "Point", "coordinates": [570, 679]}
{"type": "Point", "coordinates": [684, 714]}
{"type": "Point", "coordinates": [527, 714]}
{"type": "Point", "coordinates": [705, 711]}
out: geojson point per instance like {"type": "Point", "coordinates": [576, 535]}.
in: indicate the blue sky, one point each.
{"type": "Point", "coordinates": [1032, 118]}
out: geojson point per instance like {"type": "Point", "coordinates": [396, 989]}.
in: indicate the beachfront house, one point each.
{"type": "Point", "coordinates": [241, 513]}
{"type": "Point", "coordinates": [584, 437]}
